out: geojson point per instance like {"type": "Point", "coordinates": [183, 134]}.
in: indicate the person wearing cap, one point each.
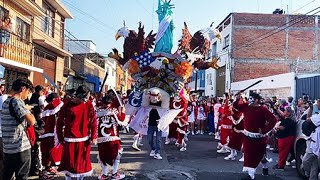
{"type": "Point", "coordinates": [76, 130]}
{"type": "Point", "coordinates": [258, 122]}
{"type": "Point", "coordinates": [110, 115]}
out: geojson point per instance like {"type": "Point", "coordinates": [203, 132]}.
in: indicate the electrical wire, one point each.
{"type": "Point", "coordinates": [90, 16]}
{"type": "Point", "coordinates": [267, 35]}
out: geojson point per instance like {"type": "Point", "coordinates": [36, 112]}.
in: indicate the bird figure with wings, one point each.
{"type": "Point", "coordinates": [134, 43]}
{"type": "Point", "coordinates": [198, 46]}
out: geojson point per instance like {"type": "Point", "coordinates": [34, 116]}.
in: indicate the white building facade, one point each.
{"type": "Point", "coordinates": [218, 81]}
{"type": "Point", "coordinates": [110, 68]}
{"type": "Point", "coordinates": [80, 46]}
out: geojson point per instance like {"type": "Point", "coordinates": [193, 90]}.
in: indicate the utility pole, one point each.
{"type": "Point", "coordinates": [196, 83]}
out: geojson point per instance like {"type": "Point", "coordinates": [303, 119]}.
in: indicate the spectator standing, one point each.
{"type": "Point", "coordinates": [3, 97]}
{"type": "Point", "coordinates": [5, 32]}
{"type": "Point", "coordinates": [16, 145]}
{"type": "Point", "coordinates": [285, 132]}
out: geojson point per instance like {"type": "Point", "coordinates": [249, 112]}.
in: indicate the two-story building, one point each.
{"type": "Point", "coordinates": [17, 58]}
{"type": "Point", "coordinates": [48, 39]}
{"type": "Point", "coordinates": [36, 41]}
{"type": "Point", "coordinates": [261, 45]}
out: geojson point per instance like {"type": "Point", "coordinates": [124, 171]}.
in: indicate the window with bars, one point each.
{"type": "Point", "coordinates": [23, 30]}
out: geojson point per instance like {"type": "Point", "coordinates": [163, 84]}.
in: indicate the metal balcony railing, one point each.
{"type": "Point", "coordinates": [18, 50]}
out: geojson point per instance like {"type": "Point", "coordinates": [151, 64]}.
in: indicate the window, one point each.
{"type": "Point", "coordinates": [226, 41]}
{"type": "Point", "coordinates": [3, 12]}
{"type": "Point", "coordinates": [202, 77]}
{"type": "Point", "coordinates": [47, 23]}
{"type": "Point", "coordinates": [112, 72]}
{"type": "Point", "coordinates": [214, 49]}
{"type": "Point", "coordinates": [209, 79]}
{"type": "Point", "coordinates": [108, 70]}
{"type": "Point", "coordinates": [23, 29]}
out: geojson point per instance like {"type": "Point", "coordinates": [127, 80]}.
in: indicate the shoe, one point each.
{"type": "Point", "coordinates": [217, 137]}
{"type": "Point", "coordinates": [219, 146]}
{"type": "Point", "coordinates": [52, 171]}
{"type": "Point", "coordinates": [230, 157]}
{"type": "Point", "coordinates": [288, 163]}
{"type": "Point", "coordinates": [167, 142]}
{"type": "Point", "coordinates": [198, 132]}
{"type": "Point", "coordinates": [45, 175]}
{"type": "Point", "coordinates": [192, 133]}
{"type": "Point", "coordinates": [276, 167]}
{"type": "Point", "coordinates": [222, 151]}
{"type": "Point", "coordinates": [157, 156]}
{"type": "Point", "coordinates": [210, 133]}
{"type": "Point", "coordinates": [268, 146]}
{"type": "Point", "coordinates": [183, 149]}
{"type": "Point", "coordinates": [117, 176]}
{"type": "Point", "coordinates": [140, 144]}
{"type": "Point", "coordinates": [248, 178]}
{"type": "Point", "coordinates": [269, 160]}
{"type": "Point", "coordinates": [152, 153]}
{"type": "Point", "coordinates": [201, 132]}
{"type": "Point", "coordinates": [265, 172]}
{"type": "Point", "coordinates": [135, 147]}
{"type": "Point", "coordinates": [293, 161]}
{"type": "Point", "coordinates": [241, 159]}
{"type": "Point", "coordinates": [103, 177]}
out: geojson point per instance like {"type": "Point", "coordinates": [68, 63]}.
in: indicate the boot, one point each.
{"type": "Point", "coordinates": [265, 171]}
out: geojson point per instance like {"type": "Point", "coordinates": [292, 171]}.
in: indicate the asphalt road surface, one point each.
{"type": "Point", "coordinates": [199, 162]}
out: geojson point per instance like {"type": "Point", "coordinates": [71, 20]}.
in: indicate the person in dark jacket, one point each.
{"type": "Point", "coordinates": [38, 105]}
{"type": "Point", "coordinates": [285, 132]}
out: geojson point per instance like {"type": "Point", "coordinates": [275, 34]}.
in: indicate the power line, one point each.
{"type": "Point", "coordinates": [88, 15]}
{"type": "Point", "coordinates": [277, 30]}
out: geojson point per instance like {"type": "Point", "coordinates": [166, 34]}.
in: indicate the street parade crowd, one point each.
{"type": "Point", "coordinates": [52, 132]}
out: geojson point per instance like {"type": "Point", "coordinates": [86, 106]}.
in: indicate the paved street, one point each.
{"type": "Point", "coordinates": [199, 162]}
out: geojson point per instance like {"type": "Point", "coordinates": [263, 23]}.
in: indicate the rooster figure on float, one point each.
{"type": "Point", "coordinates": [160, 76]}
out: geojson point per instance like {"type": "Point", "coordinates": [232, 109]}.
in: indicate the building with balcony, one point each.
{"type": "Point", "coordinates": [17, 58]}
{"type": "Point", "coordinates": [48, 39]}
{"type": "Point", "coordinates": [36, 42]}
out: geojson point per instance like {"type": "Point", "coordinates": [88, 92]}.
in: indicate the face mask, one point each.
{"type": "Point", "coordinates": [251, 100]}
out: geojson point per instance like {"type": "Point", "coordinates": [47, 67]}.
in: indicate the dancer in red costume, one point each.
{"type": "Point", "coordinates": [110, 115]}
{"type": "Point", "coordinates": [258, 121]}
{"type": "Point", "coordinates": [226, 126]}
{"type": "Point", "coordinates": [182, 120]}
{"type": "Point", "coordinates": [77, 129]}
{"type": "Point", "coordinates": [235, 142]}
{"type": "Point", "coordinates": [48, 138]}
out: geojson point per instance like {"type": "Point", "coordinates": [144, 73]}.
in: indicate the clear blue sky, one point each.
{"type": "Point", "coordinates": [109, 16]}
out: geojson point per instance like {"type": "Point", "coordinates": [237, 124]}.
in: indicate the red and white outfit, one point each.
{"type": "Point", "coordinates": [49, 137]}
{"type": "Point", "coordinates": [226, 127]}
{"type": "Point", "coordinates": [76, 126]}
{"type": "Point", "coordinates": [109, 145]}
{"type": "Point", "coordinates": [235, 141]}
{"type": "Point", "coordinates": [182, 120]}
{"type": "Point", "coordinates": [256, 118]}
{"type": "Point", "coordinates": [235, 138]}
{"type": "Point", "coordinates": [178, 127]}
